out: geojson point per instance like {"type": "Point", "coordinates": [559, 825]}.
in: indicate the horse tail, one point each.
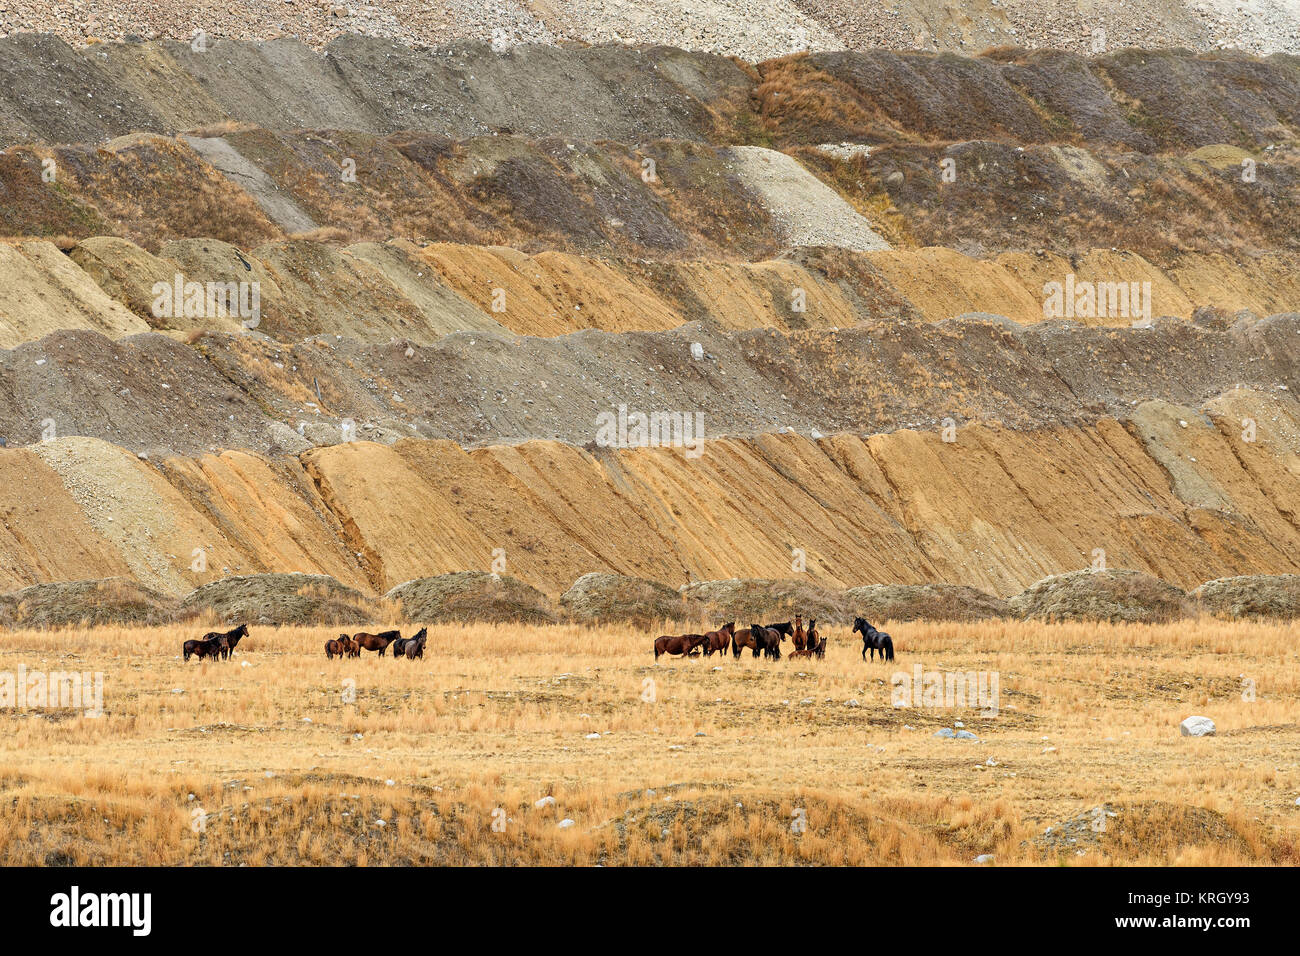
{"type": "Point", "coordinates": [889, 648]}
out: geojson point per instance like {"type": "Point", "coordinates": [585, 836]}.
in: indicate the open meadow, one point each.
{"type": "Point", "coordinates": [280, 756]}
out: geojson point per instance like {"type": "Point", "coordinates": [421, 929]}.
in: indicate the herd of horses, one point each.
{"type": "Point", "coordinates": [219, 645]}
{"type": "Point", "coordinates": [411, 648]}
{"type": "Point", "coordinates": [765, 639]}
{"type": "Point", "coordinates": [215, 644]}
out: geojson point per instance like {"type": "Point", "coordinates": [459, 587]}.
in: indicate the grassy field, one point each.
{"type": "Point", "coordinates": [291, 758]}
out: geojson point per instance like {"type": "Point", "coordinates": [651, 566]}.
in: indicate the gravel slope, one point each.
{"type": "Point", "coordinates": [747, 28]}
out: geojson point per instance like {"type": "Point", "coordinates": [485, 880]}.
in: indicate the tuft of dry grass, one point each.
{"type": "Point", "coordinates": [293, 759]}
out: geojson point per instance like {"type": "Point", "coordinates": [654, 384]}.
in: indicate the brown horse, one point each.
{"type": "Point", "coordinates": [681, 644]}
{"type": "Point", "coordinates": [349, 647]}
{"type": "Point", "coordinates": [206, 647]}
{"type": "Point", "coordinates": [742, 639]}
{"type": "Point", "coordinates": [376, 642]}
{"type": "Point", "coordinates": [719, 640]}
{"type": "Point", "coordinates": [333, 649]}
{"type": "Point", "coordinates": [800, 639]}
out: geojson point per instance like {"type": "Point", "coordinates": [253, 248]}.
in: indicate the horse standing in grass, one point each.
{"type": "Point", "coordinates": [349, 647]}
{"type": "Point", "coordinates": [399, 647]}
{"type": "Point", "coordinates": [414, 648]}
{"type": "Point", "coordinates": [333, 649]}
{"type": "Point", "coordinates": [799, 638]}
{"type": "Point", "coordinates": [680, 644]}
{"type": "Point", "coordinates": [816, 643]}
{"type": "Point", "coordinates": [768, 640]}
{"type": "Point", "coordinates": [376, 642]}
{"type": "Point", "coordinates": [742, 639]}
{"type": "Point", "coordinates": [784, 629]}
{"type": "Point", "coordinates": [873, 640]}
{"type": "Point", "coordinates": [232, 637]}
{"type": "Point", "coordinates": [207, 647]}
{"type": "Point", "coordinates": [719, 640]}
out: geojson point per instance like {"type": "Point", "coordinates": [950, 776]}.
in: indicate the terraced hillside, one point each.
{"type": "Point", "coordinates": [363, 311]}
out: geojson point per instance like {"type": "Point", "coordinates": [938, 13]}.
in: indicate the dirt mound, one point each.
{"type": "Point", "coordinates": [1102, 596]}
{"type": "Point", "coordinates": [758, 601]}
{"type": "Point", "coordinates": [923, 602]}
{"type": "Point", "coordinates": [1164, 830]}
{"type": "Point", "coordinates": [599, 596]}
{"type": "Point", "coordinates": [85, 604]}
{"type": "Point", "coordinates": [1251, 596]}
{"type": "Point", "coordinates": [308, 599]}
{"type": "Point", "coordinates": [471, 596]}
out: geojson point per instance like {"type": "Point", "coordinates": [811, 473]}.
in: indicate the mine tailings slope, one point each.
{"type": "Point", "coordinates": [1176, 491]}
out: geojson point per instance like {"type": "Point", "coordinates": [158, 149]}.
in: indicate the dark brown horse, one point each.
{"type": "Point", "coordinates": [376, 642]}
{"type": "Point", "coordinates": [333, 649]}
{"type": "Point", "coordinates": [232, 639]}
{"type": "Point", "coordinates": [816, 643]}
{"type": "Point", "coordinates": [742, 639]}
{"type": "Point", "coordinates": [349, 647]}
{"type": "Point", "coordinates": [680, 644]}
{"type": "Point", "coordinates": [207, 647]}
{"type": "Point", "coordinates": [414, 647]}
{"type": "Point", "coordinates": [399, 647]}
{"type": "Point", "coordinates": [719, 640]}
{"type": "Point", "coordinates": [785, 629]}
{"type": "Point", "coordinates": [767, 640]}
{"type": "Point", "coordinates": [799, 638]}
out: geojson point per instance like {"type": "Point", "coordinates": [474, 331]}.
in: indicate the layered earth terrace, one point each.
{"type": "Point", "coordinates": [464, 256]}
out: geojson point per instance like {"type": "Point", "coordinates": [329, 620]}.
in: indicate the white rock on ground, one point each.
{"type": "Point", "coordinates": [1197, 727]}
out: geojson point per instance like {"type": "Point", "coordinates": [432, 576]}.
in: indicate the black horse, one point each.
{"type": "Point", "coordinates": [767, 640]}
{"type": "Point", "coordinates": [223, 642]}
{"type": "Point", "coordinates": [873, 639]}
{"type": "Point", "coordinates": [785, 629]}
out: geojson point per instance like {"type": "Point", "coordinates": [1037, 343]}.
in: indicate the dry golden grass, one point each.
{"type": "Point", "coordinates": [496, 717]}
